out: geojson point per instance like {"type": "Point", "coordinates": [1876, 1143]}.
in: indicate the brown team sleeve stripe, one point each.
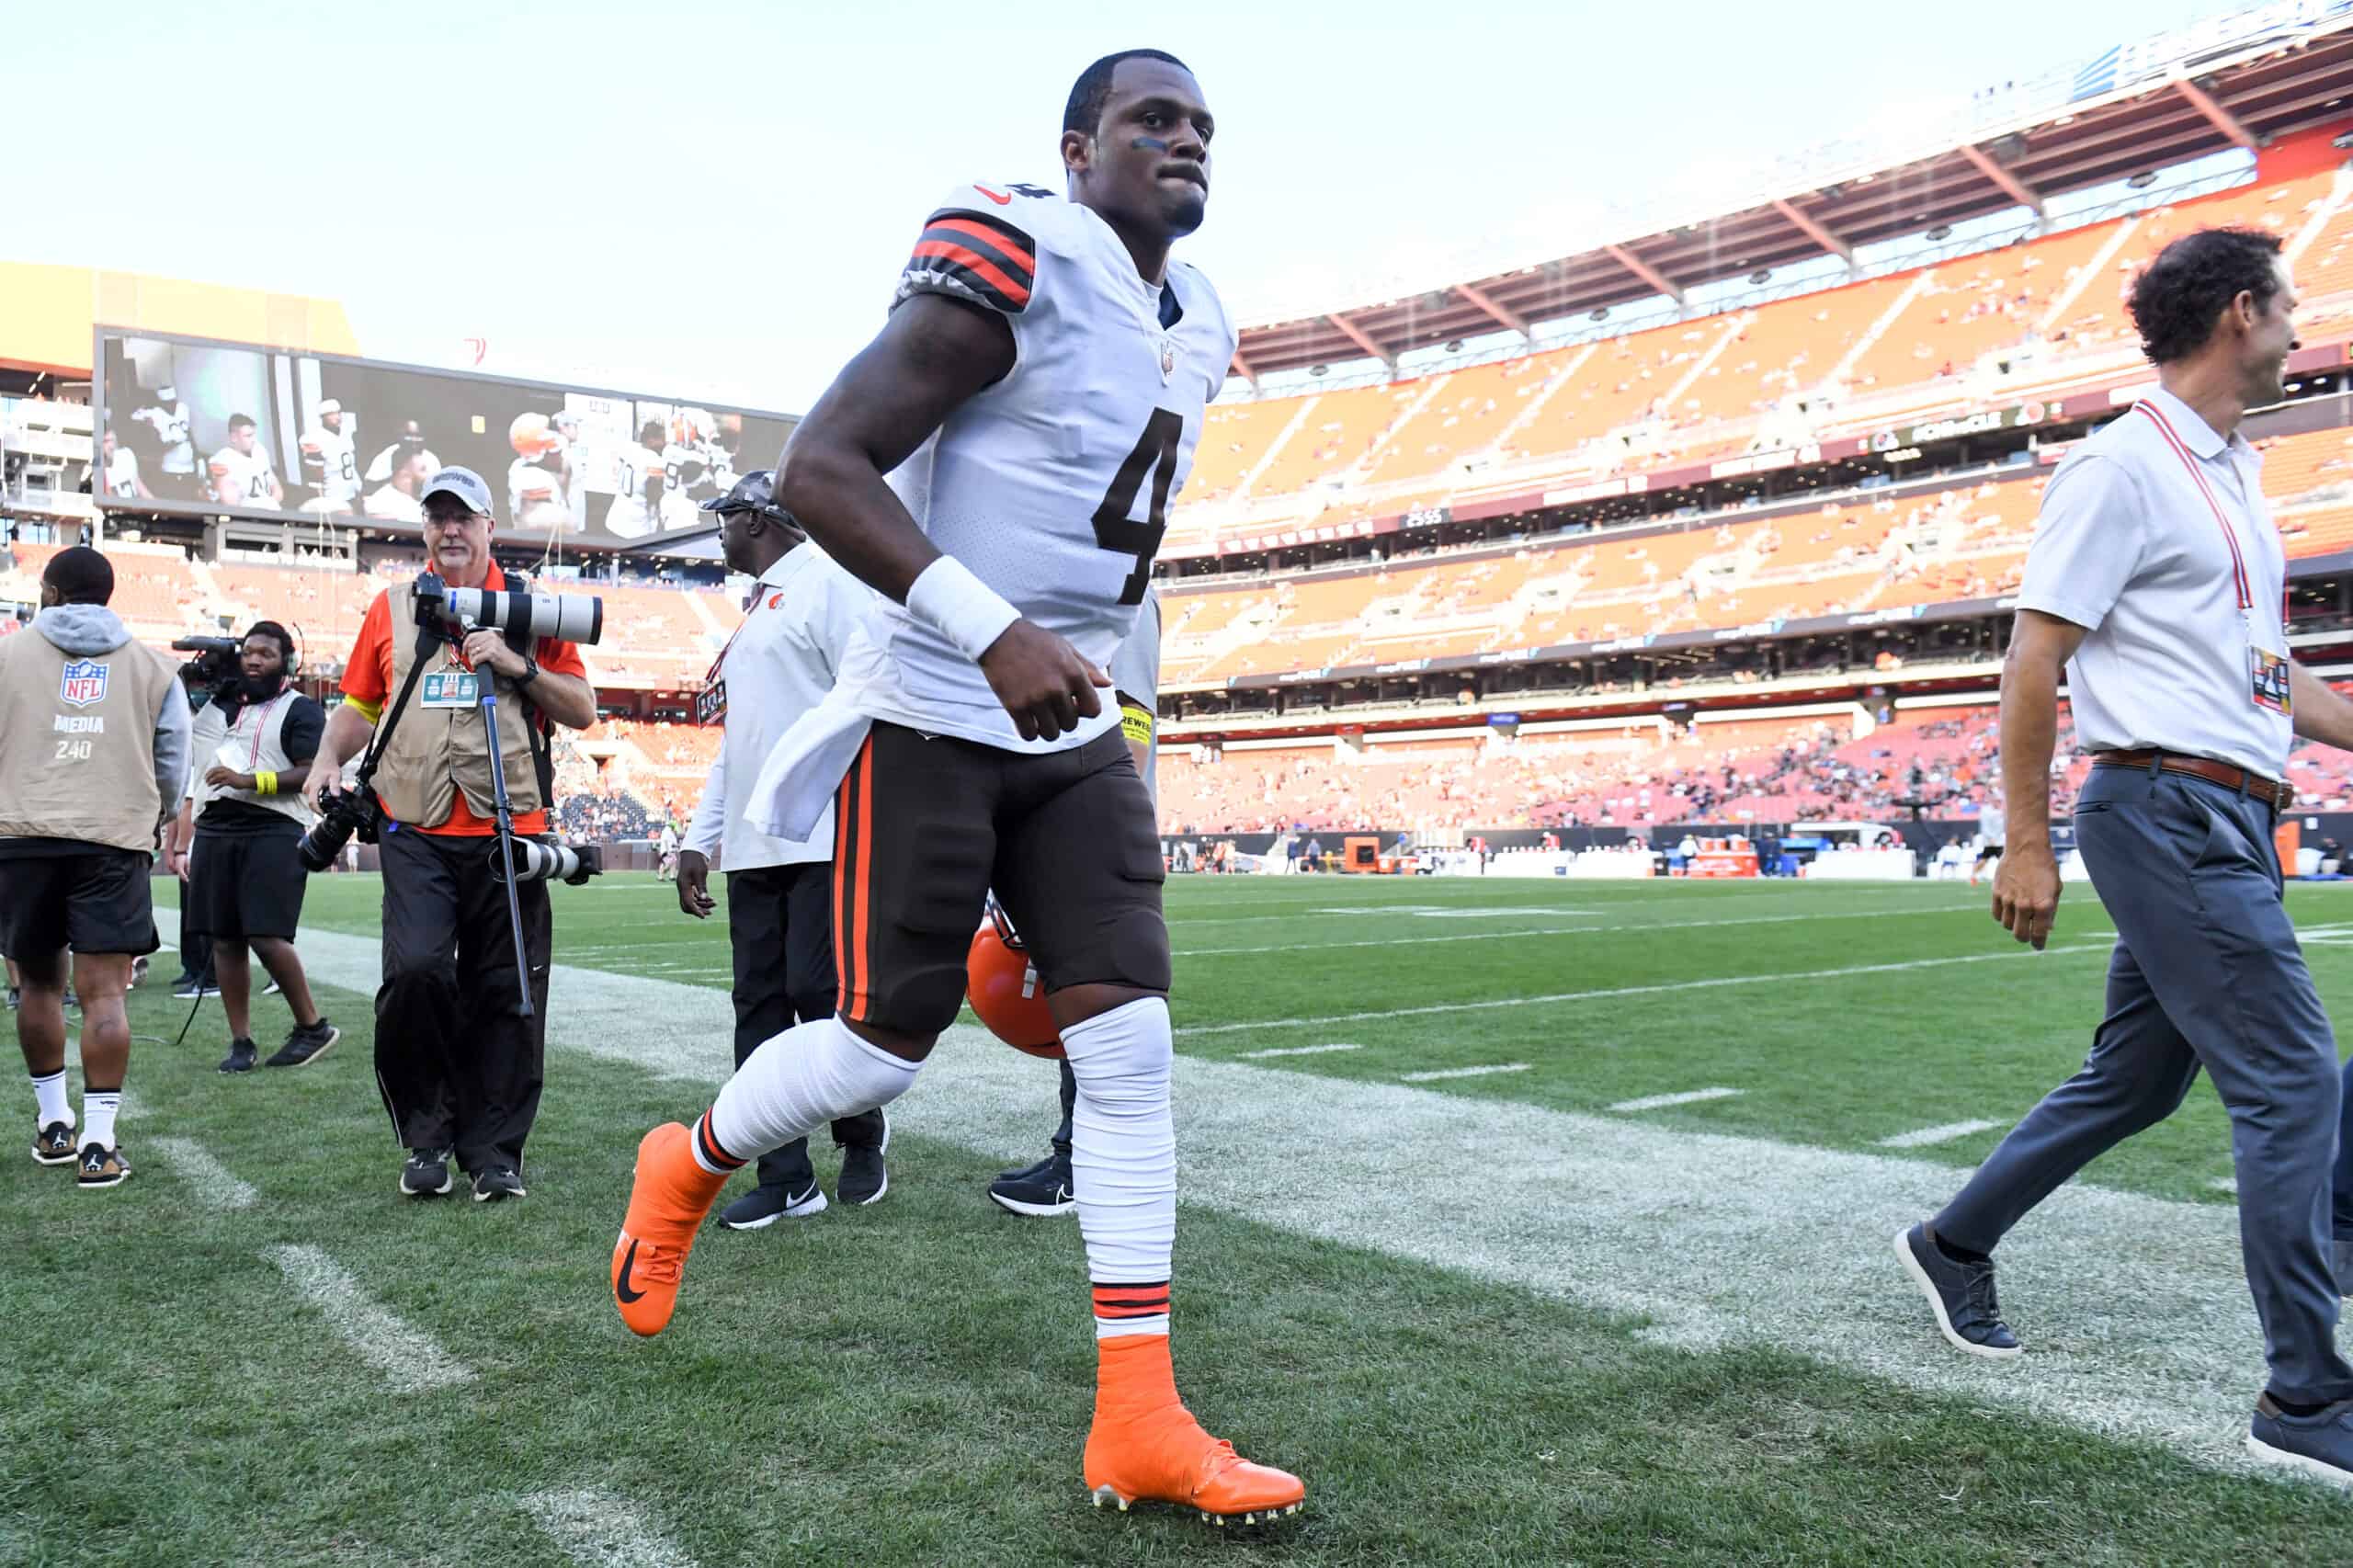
{"type": "Point", "coordinates": [989, 257]}
{"type": "Point", "coordinates": [711, 1151]}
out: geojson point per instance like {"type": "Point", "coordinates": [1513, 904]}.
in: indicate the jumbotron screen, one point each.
{"type": "Point", "coordinates": [195, 426]}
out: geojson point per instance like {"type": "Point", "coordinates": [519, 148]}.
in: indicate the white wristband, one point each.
{"type": "Point", "coordinates": [960, 607]}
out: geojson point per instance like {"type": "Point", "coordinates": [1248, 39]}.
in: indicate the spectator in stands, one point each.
{"type": "Point", "coordinates": [780, 665]}
{"type": "Point", "coordinates": [2155, 586]}
{"type": "Point", "coordinates": [457, 1057]}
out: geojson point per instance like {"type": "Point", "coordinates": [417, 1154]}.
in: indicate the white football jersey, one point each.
{"type": "Point", "coordinates": [171, 427]}
{"type": "Point", "coordinates": [122, 474]}
{"type": "Point", "coordinates": [249, 472]}
{"type": "Point", "coordinates": [1052, 485]}
{"type": "Point", "coordinates": [530, 490]}
{"type": "Point", "coordinates": [330, 466]}
{"type": "Point", "coordinates": [629, 516]}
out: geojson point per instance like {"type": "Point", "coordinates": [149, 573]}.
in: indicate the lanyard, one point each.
{"type": "Point", "coordinates": [760, 591]}
{"type": "Point", "coordinates": [2238, 562]}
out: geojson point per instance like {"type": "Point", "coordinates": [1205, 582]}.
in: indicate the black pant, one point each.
{"type": "Point", "coordinates": [779, 923]}
{"type": "Point", "coordinates": [195, 943]}
{"type": "Point", "coordinates": [457, 1063]}
{"type": "Point", "coordinates": [1070, 1104]}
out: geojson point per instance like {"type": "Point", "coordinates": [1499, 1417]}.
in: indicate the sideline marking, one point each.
{"type": "Point", "coordinates": [1689, 1096]}
{"type": "Point", "coordinates": [208, 1181]}
{"type": "Point", "coordinates": [409, 1359]}
{"type": "Point", "coordinates": [602, 1529]}
{"type": "Point", "coordinates": [1923, 1137]}
{"type": "Point", "coordinates": [1293, 1051]}
{"type": "Point", "coordinates": [1445, 1072]}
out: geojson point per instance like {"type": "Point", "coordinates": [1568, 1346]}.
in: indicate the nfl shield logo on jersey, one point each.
{"type": "Point", "coordinates": [84, 682]}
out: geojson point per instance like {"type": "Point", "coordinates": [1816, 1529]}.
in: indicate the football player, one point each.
{"type": "Point", "coordinates": [241, 474]}
{"type": "Point", "coordinates": [535, 497]}
{"type": "Point", "coordinates": [120, 469]}
{"type": "Point", "coordinates": [411, 439]}
{"type": "Point", "coordinates": [168, 420]}
{"type": "Point", "coordinates": [639, 484]}
{"type": "Point", "coordinates": [1034, 398]}
{"type": "Point", "coordinates": [396, 500]}
{"type": "Point", "coordinates": [330, 467]}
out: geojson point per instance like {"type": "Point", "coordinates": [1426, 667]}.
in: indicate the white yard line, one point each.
{"type": "Point", "coordinates": [1689, 1096]}
{"type": "Point", "coordinates": [1297, 1051]}
{"type": "Point", "coordinates": [1923, 1137]}
{"type": "Point", "coordinates": [407, 1357]}
{"type": "Point", "coordinates": [1576, 930]}
{"type": "Point", "coordinates": [2134, 1309]}
{"type": "Point", "coordinates": [602, 1529]}
{"type": "Point", "coordinates": [1443, 1073]}
{"type": "Point", "coordinates": [2224, 1184]}
{"type": "Point", "coordinates": [210, 1182]}
{"type": "Point", "coordinates": [1564, 998]}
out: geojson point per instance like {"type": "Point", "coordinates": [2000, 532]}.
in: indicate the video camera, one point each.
{"type": "Point", "coordinates": [215, 666]}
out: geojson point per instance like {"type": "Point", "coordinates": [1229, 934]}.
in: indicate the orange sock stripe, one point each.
{"type": "Point", "coordinates": [711, 1148]}
{"type": "Point", "coordinates": [845, 805]}
{"type": "Point", "coordinates": [865, 1010]}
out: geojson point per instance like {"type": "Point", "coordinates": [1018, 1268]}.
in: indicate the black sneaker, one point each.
{"type": "Point", "coordinates": [192, 990]}
{"type": "Point", "coordinates": [2319, 1445]}
{"type": "Point", "coordinates": [53, 1145]}
{"type": "Point", "coordinates": [1961, 1295]}
{"type": "Point", "coordinates": [864, 1180]}
{"type": "Point", "coordinates": [764, 1206]}
{"type": "Point", "coordinates": [272, 988]}
{"type": "Point", "coordinates": [426, 1175]}
{"type": "Point", "coordinates": [305, 1046]}
{"type": "Point", "coordinates": [498, 1182]}
{"type": "Point", "coordinates": [1043, 1189]}
{"type": "Point", "coordinates": [15, 998]}
{"type": "Point", "coordinates": [240, 1056]}
{"type": "Point", "coordinates": [102, 1166]}
{"type": "Point", "coordinates": [1024, 1173]}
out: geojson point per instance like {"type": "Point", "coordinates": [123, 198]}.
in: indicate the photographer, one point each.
{"type": "Point", "coordinates": [458, 1058]}
{"type": "Point", "coordinates": [254, 743]}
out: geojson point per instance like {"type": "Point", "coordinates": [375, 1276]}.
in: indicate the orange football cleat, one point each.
{"type": "Point", "coordinates": [666, 1205]}
{"type": "Point", "coordinates": [1146, 1446]}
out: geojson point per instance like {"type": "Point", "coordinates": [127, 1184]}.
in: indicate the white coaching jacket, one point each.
{"type": "Point", "coordinates": [780, 665]}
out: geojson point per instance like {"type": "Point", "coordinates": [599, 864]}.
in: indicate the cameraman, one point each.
{"type": "Point", "coordinates": [254, 743]}
{"type": "Point", "coordinates": [456, 1061]}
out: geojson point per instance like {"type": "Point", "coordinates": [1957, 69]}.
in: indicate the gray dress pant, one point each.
{"type": "Point", "coordinates": [2206, 973]}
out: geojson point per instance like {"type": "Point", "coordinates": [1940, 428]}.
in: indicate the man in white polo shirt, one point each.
{"type": "Point", "coordinates": [780, 665]}
{"type": "Point", "coordinates": [2157, 580]}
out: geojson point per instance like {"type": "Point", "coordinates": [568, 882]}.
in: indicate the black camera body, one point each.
{"type": "Point", "coordinates": [340, 816]}
{"type": "Point", "coordinates": [217, 666]}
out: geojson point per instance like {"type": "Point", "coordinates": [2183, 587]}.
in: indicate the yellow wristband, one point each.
{"type": "Point", "coordinates": [266, 783]}
{"type": "Point", "coordinates": [1136, 724]}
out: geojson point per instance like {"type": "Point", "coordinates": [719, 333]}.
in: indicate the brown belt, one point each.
{"type": "Point", "coordinates": [2277, 795]}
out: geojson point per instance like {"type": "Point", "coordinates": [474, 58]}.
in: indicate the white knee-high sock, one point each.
{"type": "Point", "coordinates": [49, 1094]}
{"type": "Point", "coordinates": [1123, 1162]}
{"type": "Point", "coordinates": [795, 1082]}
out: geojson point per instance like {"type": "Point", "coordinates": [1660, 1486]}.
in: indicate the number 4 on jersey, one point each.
{"type": "Point", "coordinates": [1155, 449]}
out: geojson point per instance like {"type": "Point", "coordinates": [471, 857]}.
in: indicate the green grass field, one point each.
{"type": "Point", "coordinates": [1528, 1316]}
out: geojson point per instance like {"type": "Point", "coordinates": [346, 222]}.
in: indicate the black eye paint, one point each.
{"type": "Point", "coordinates": [1148, 144]}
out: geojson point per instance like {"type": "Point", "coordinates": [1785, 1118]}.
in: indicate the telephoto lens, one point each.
{"type": "Point", "coordinates": [570, 617]}
{"type": "Point", "coordinates": [534, 861]}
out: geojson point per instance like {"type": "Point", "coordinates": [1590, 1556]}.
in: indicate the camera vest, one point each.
{"type": "Point", "coordinates": [254, 743]}
{"type": "Point", "coordinates": [77, 742]}
{"type": "Point", "coordinates": [437, 752]}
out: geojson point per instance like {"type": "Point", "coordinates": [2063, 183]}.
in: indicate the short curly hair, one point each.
{"type": "Point", "coordinates": [2178, 295]}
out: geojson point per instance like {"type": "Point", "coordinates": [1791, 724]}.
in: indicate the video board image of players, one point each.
{"type": "Point", "coordinates": [207, 426]}
{"type": "Point", "coordinates": [196, 422]}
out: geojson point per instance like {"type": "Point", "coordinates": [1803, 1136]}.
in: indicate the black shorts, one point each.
{"type": "Point", "coordinates": [93, 901]}
{"type": "Point", "coordinates": [1988, 852]}
{"type": "Point", "coordinates": [924, 829]}
{"type": "Point", "coordinates": [246, 884]}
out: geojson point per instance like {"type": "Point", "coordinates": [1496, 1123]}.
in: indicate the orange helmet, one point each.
{"type": "Point", "coordinates": [1005, 990]}
{"type": "Point", "coordinates": [530, 437]}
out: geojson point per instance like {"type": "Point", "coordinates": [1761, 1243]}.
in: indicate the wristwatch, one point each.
{"type": "Point", "coordinates": [530, 672]}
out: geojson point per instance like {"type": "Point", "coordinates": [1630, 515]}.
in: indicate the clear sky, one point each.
{"type": "Point", "coordinates": [711, 199]}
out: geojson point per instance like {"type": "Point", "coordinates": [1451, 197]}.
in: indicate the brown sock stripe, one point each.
{"type": "Point", "coordinates": [711, 1148]}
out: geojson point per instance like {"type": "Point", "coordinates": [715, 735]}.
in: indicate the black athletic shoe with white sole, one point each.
{"type": "Point", "coordinates": [498, 1182]}
{"type": "Point", "coordinates": [53, 1145]}
{"type": "Point", "coordinates": [1042, 1191]}
{"type": "Point", "coordinates": [864, 1179]}
{"type": "Point", "coordinates": [101, 1167]}
{"type": "Point", "coordinates": [1961, 1295]}
{"type": "Point", "coordinates": [2319, 1445]}
{"type": "Point", "coordinates": [305, 1046]}
{"type": "Point", "coordinates": [242, 1056]}
{"type": "Point", "coordinates": [190, 990]}
{"type": "Point", "coordinates": [426, 1175]}
{"type": "Point", "coordinates": [764, 1206]}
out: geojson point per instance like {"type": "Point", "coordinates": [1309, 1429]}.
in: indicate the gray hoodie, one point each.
{"type": "Point", "coordinates": [87, 631]}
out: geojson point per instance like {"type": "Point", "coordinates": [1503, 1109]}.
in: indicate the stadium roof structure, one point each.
{"type": "Point", "coordinates": [2239, 82]}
